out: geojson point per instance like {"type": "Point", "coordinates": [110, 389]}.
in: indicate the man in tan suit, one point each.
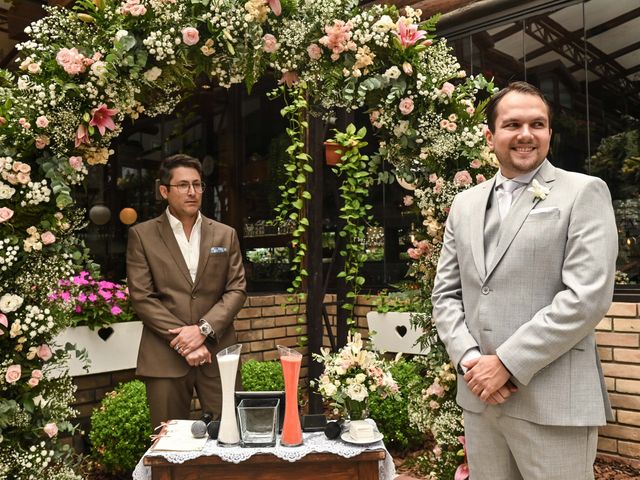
{"type": "Point", "coordinates": [525, 274]}
{"type": "Point", "coordinates": [186, 282]}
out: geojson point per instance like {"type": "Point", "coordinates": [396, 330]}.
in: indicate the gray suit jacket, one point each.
{"type": "Point", "coordinates": [164, 296]}
{"type": "Point", "coordinates": [536, 306]}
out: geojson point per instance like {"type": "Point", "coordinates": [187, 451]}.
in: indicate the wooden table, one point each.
{"type": "Point", "coordinates": [315, 466]}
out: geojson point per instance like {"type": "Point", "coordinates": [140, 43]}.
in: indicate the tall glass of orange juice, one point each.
{"type": "Point", "coordinates": [291, 360]}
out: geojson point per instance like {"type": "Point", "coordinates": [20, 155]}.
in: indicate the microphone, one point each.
{"type": "Point", "coordinates": [199, 427]}
{"type": "Point", "coordinates": [334, 429]}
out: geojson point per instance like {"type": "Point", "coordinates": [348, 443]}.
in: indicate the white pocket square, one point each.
{"type": "Point", "coordinates": [218, 250]}
{"type": "Point", "coordinates": [538, 211]}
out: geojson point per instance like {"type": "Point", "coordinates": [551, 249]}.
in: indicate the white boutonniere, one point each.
{"type": "Point", "coordinates": [539, 191]}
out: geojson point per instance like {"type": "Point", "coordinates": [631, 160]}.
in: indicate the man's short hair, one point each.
{"type": "Point", "coordinates": [520, 87]}
{"type": "Point", "coordinates": [175, 161]}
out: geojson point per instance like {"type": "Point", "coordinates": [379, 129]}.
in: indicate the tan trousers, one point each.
{"type": "Point", "coordinates": [500, 447]}
{"type": "Point", "coordinates": [170, 398]}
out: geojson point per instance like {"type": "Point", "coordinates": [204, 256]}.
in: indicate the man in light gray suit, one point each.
{"type": "Point", "coordinates": [525, 274]}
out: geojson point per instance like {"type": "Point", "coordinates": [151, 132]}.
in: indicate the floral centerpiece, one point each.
{"type": "Point", "coordinates": [350, 375]}
{"type": "Point", "coordinates": [93, 303]}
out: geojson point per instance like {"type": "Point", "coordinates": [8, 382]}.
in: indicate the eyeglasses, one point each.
{"type": "Point", "coordinates": [183, 187]}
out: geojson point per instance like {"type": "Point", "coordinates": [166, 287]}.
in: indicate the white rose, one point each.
{"type": "Point", "coordinates": [152, 74]}
{"type": "Point", "coordinates": [361, 377]}
{"type": "Point", "coordinates": [329, 389]}
{"type": "Point", "coordinates": [99, 69]}
{"type": "Point", "coordinates": [392, 73]}
{"type": "Point", "coordinates": [357, 392]}
{"type": "Point", "coordinates": [10, 302]}
{"type": "Point", "coordinates": [384, 24]}
{"type": "Point", "coordinates": [121, 34]}
{"type": "Point", "coordinates": [6, 191]}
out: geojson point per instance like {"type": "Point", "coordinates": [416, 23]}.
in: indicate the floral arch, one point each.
{"type": "Point", "coordinates": [85, 70]}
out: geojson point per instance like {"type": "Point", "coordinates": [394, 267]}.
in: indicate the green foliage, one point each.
{"type": "Point", "coordinates": [407, 300]}
{"type": "Point", "coordinates": [391, 414]}
{"type": "Point", "coordinates": [262, 376]}
{"type": "Point", "coordinates": [120, 428]}
{"type": "Point", "coordinates": [357, 173]}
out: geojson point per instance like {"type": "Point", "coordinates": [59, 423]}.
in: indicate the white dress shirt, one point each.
{"type": "Point", "coordinates": [190, 247]}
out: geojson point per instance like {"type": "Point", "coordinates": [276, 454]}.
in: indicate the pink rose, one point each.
{"type": "Point", "coordinates": [269, 43]}
{"type": "Point", "coordinates": [480, 178]}
{"type": "Point", "coordinates": [137, 10]}
{"type": "Point", "coordinates": [51, 429]}
{"type": "Point", "coordinates": [435, 389]}
{"type": "Point", "coordinates": [452, 127]}
{"type": "Point", "coordinates": [42, 141]}
{"type": "Point", "coordinates": [475, 163]}
{"type": "Point", "coordinates": [2, 121]}
{"type": "Point", "coordinates": [470, 110]}
{"type": "Point", "coordinates": [33, 382]}
{"type": "Point", "coordinates": [5, 214]}
{"type": "Point", "coordinates": [433, 177]}
{"type": "Point", "coordinates": [42, 122]}
{"type": "Point", "coordinates": [407, 68]}
{"type": "Point", "coordinates": [76, 163]}
{"type": "Point", "coordinates": [314, 51]}
{"type": "Point", "coordinates": [14, 372]}
{"type": "Point", "coordinates": [190, 36]}
{"type": "Point", "coordinates": [4, 321]}
{"type": "Point", "coordinates": [462, 179]}
{"type": "Point", "coordinates": [23, 178]}
{"type": "Point", "coordinates": [24, 167]}
{"type": "Point", "coordinates": [437, 451]}
{"type": "Point", "coordinates": [37, 374]}
{"type": "Point", "coordinates": [289, 78]}
{"type": "Point", "coordinates": [44, 352]}
{"type": "Point", "coordinates": [48, 238]}
{"type": "Point", "coordinates": [406, 106]}
{"type": "Point", "coordinates": [448, 88]}
{"type": "Point", "coordinates": [414, 253]}
{"type": "Point", "coordinates": [407, 200]}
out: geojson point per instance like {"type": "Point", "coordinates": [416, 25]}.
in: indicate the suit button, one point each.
{"type": "Point", "coordinates": [194, 296]}
{"type": "Point", "coordinates": [485, 290]}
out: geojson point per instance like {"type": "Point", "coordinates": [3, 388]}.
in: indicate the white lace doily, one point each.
{"type": "Point", "coordinates": [312, 443]}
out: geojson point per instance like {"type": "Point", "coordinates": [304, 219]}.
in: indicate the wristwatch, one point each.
{"type": "Point", "coordinates": [205, 329]}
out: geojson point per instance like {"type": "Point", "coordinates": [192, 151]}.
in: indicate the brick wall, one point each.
{"type": "Point", "coordinates": [266, 321]}
{"type": "Point", "coordinates": [618, 336]}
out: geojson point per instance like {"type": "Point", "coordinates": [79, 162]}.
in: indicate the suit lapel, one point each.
{"type": "Point", "coordinates": [169, 239]}
{"type": "Point", "coordinates": [519, 211]}
{"type": "Point", "coordinates": [477, 226]}
{"type": "Point", "coordinates": [206, 240]}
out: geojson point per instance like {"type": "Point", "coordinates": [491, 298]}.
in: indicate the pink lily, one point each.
{"type": "Point", "coordinates": [462, 472]}
{"type": "Point", "coordinates": [409, 35]}
{"type": "Point", "coordinates": [275, 6]}
{"type": "Point", "coordinates": [82, 135]}
{"type": "Point", "coordinates": [101, 118]}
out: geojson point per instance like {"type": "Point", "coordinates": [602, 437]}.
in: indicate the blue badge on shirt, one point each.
{"type": "Point", "coordinates": [218, 250]}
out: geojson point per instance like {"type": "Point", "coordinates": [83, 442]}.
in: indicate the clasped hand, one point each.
{"type": "Point", "coordinates": [189, 343]}
{"type": "Point", "coordinates": [488, 379]}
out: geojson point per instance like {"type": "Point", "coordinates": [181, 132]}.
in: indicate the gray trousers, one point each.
{"type": "Point", "coordinates": [500, 447]}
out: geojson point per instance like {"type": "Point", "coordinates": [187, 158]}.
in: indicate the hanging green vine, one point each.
{"type": "Point", "coordinates": [293, 191]}
{"type": "Point", "coordinates": [357, 172]}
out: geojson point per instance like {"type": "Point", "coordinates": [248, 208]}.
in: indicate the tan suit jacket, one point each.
{"type": "Point", "coordinates": [536, 305]}
{"type": "Point", "coordinates": [165, 297]}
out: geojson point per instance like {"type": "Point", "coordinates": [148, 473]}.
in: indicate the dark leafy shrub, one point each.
{"type": "Point", "coordinates": [391, 414]}
{"type": "Point", "coordinates": [262, 376]}
{"type": "Point", "coordinates": [120, 428]}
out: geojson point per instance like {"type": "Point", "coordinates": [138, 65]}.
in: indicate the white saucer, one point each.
{"type": "Point", "coordinates": [346, 436]}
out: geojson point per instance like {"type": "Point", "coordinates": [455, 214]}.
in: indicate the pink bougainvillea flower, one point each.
{"type": "Point", "coordinates": [275, 6]}
{"type": "Point", "coordinates": [82, 135]}
{"type": "Point", "coordinates": [116, 310]}
{"type": "Point", "coordinates": [409, 35]}
{"type": "Point", "coordinates": [101, 117]}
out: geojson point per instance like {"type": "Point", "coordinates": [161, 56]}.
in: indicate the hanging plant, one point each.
{"type": "Point", "coordinates": [357, 172]}
{"type": "Point", "coordinates": [294, 193]}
